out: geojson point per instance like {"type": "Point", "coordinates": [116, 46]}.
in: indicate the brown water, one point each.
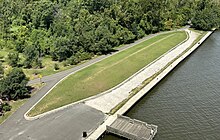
{"type": "Point", "coordinates": [186, 104]}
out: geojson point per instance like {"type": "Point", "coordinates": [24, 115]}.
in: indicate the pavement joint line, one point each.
{"type": "Point", "coordinates": [81, 101]}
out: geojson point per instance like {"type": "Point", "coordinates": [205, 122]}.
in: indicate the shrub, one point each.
{"type": "Point", "coordinates": [78, 57]}
{"type": "Point", "coordinates": [56, 66]}
{"type": "Point", "coordinates": [6, 107]}
{"type": "Point", "coordinates": [65, 63]}
{"type": "Point", "coordinates": [39, 64]}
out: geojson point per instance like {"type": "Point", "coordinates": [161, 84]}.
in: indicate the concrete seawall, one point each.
{"type": "Point", "coordinates": [96, 134]}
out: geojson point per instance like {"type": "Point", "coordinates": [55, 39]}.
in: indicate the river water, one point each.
{"type": "Point", "coordinates": [186, 104]}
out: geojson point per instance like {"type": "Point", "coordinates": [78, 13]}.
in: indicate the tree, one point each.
{"type": "Point", "coordinates": [13, 86]}
{"type": "Point", "coordinates": [13, 59]}
{"type": "Point", "coordinates": [20, 35]}
{"type": "Point", "coordinates": [43, 14]}
{"type": "Point", "coordinates": [56, 66]}
{"type": "Point", "coordinates": [62, 28]}
{"type": "Point", "coordinates": [34, 49]}
{"type": "Point", "coordinates": [205, 20]}
{"type": "Point", "coordinates": [32, 54]}
{"type": "Point", "coordinates": [62, 49]}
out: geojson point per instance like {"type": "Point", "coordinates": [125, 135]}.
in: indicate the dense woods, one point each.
{"type": "Point", "coordinates": [75, 30]}
{"type": "Point", "coordinates": [71, 31]}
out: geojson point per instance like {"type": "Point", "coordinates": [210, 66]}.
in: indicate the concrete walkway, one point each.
{"type": "Point", "coordinates": [109, 100]}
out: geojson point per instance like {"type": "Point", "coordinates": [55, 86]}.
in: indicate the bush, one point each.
{"type": "Point", "coordinates": [85, 56]}
{"type": "Point", "coordinates": [39, 63]}
{"type": "Point", "coordinates": [56, 66]}
{"type": "Point", "coordinates": [27, 64]}
{"type": "Point", "coordinates": [6, 107]}
{"type": "Point", "coordinates": [78, 57]}
{"type": "Point", "coordinates": [13, 85]}
{"type": "Point", "coordinates": [13, 59]}
{"type": "Point", "coordinates": [65, 63]}
{"type": "Point", "coordinates": [73, 60]}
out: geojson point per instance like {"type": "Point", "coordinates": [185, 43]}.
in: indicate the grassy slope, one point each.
{"type": "Point", "coordinates": [107, 73]}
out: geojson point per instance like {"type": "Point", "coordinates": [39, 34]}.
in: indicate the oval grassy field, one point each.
{"type": "Point", "coordinates": [107, 73]}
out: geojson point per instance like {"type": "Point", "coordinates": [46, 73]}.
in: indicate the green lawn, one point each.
{"type": "Point", "coordinates": [107, 73]}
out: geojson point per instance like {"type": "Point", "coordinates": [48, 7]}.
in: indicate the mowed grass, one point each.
{"type": "Point", "coordinates": [108, 73]}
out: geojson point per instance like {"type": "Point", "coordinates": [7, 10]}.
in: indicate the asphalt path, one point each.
{"type": "Point", "coordinates": [66, 124]}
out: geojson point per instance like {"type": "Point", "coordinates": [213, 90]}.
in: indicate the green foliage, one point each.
{"type": "Point", "coordinates": [6, 107]}
{"type": "Point", "coordinates": [33, 54]}
{"type": "Point", "coordinates": [207, 17]}
{"type": "Point", "coordinates": [79, 56]}
{"type": "Point", "coordinates": [61, 28]}
{"type": "Point", "coordinates": [56, 66]}
{"type": "Point", "coordinates": [13, 86]}
{"type": "Point", "coordinates": [1, 70]}
{"type": "Point", "coordinates": [62, 50]}
{"type": "Point", "coordinates": [13, 59]}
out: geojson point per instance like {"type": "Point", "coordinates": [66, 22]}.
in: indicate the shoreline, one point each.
{"type": "Point", "coordinates": [132, 101]}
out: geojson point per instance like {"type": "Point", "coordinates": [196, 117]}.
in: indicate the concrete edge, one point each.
{"type": "Point", "coordinates": [105, 92]}
{"type": "Point", "coordinates": [98, 132]}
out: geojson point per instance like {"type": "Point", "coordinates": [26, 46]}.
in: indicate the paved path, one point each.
{"type": "Point", "coordinates": [70, 122]}
{"type": "Point", "coordinates": [109, 100]}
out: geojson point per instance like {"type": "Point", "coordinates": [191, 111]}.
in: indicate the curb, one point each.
{"type": "Point", "coordinates": [69, 105]}
{"type": "Point", "coordinates": [105, 92]}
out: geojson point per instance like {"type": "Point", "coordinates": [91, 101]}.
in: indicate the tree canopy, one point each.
{"type": "Point", "coordinates": [64, 29]}
{"type": "Point", "coordinates": [13, 86]}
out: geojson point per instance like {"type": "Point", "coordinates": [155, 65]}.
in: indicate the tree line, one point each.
{"type": "Point", "coordinates": [72, 31]}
